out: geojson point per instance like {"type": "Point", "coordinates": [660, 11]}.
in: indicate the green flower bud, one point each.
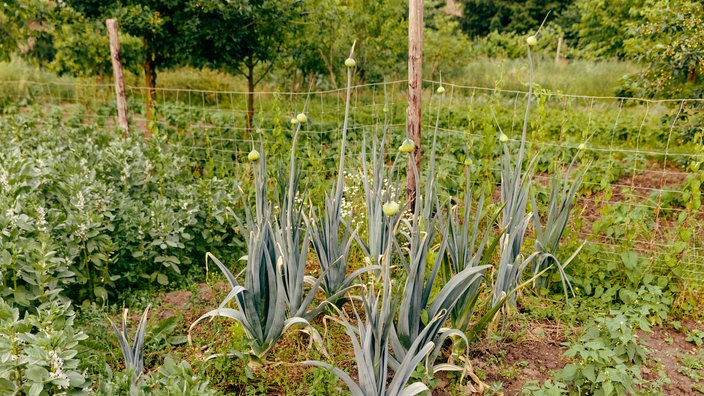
{"type": "Point", "coordinates": [503, 138]}
{"type": "Point", "coordinates": [407, 146]}
{"type": "Point", "coordinates": [467, 161]}
{"type": "Point", "coordinates": [349, 62]}
{"type": "Point", "coordinates": [294, 121]}
{"type": "Point", "coordinates": [441, 90]}
{"type": "Point", "coordinates": [253, 155]}
{"type": "Point", "coordinates": [302, 118]}
{"type": "Point", "coordinates": [390, 208]}
{"type": "Point", "coordinates": [582, 147]}
{"type": "Point", "coordinates": [532, 40]}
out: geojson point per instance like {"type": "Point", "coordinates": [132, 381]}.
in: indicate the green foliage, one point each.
{"type": "Point", "coordinates": [89, 213]}
{"type": "Point", "coordinates": [324, 383]}
{"type": "Point", "coordinates": [604, 26]}
{"type": "Point", "coordinates": [669, 40]}
{"type": "Point", "coordinates": [171, 379]}
{"type": "Point", "coordinates": [81, 48]}
{"type": "Point", "coordinates": [608, 358]}
{"type": "Point", "coordinates": [238, 39]}
{"type": "Point", "coordinates": [32, 40]}
{"type": "Point", "coordinates": [548, 235]}
{"type": "Point", "coordinates": [38, 351]}
{"type": "Point", "coordinates": [445, 47]}
{"type": "Point", "coordinates": [133, 353]}
{"type": "Point", "coordinates": [695, 336]}
{"type": "Point", "coordinates": [322, 44]}
{"type": "Point", "coordinates": [482, 16]}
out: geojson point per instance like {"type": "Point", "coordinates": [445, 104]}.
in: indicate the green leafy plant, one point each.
{"type": "Point", "coordinates": [696, 337]}
{"type": "Point", "coordinates": [548, 235]}
{"type": "Point", "coordinates": [38, 352]}
{"type": "Point", "coordinates": [133, 353]}
{"type": "Point", "coordinates": [331, 249]}
{"type": "Point", "coordinates": [370, 341]}
{"type": "Point", "coordinates": [608, 357]}
{"type": "Point", "coordinates": [261, 302]}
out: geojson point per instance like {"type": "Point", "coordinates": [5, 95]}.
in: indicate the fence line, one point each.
{"type": "Point", "coordinates": [644, 152]}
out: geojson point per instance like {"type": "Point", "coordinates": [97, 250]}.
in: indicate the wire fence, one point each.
{"type": "Point", "coordinates": [641, 192]}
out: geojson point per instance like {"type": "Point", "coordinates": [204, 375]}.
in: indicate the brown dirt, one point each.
{"type": "Point", "coordinates": [639, 186]}
{"type": "Point", "coordinates": [521, 352]}
{"type": "Point", "coordinates": [534, 350]}
{"type": "Point", "coordinates": [537, 351]}
{"type": "Point", "coordinates": [669, 346]}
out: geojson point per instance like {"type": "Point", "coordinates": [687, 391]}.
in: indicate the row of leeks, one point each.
{"type": "Point", "coordinates": [405, 318]}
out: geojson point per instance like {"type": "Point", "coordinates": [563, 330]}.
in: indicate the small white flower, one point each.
{"type": "Point", "coordinates": [80, 202]}
{"type": "Point", "coordinates": [41, 220]}
{"type": "Point", "coordinates": [3, 180]}
{"type": "Point", "coordinates": [82, 232]}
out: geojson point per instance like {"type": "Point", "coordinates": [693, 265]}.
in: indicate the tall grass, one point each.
{"type": "Point", "coordinates": [578, 77]}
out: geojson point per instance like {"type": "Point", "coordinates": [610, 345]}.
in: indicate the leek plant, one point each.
{"type": "Point", "coordinates": [515, 193]}
{"type": "Point", "coordinates": [421, 314]}
{"type": "Point", "coordinates": [379, 191]}
{"type": "Point", "coordinates": [548, 235]}
{"type": "Point", "coordinates": [372, 356]}
{"type": "Point", "coordinates": [332, 249]}
{"type": "Point", "coordinates": [292, 238]}
{"type": "Point", "coordinates": [371, 337]}
{"type": "Point", "coordinates": [263, 307]}
{"type": "Point", "coordinates": [134, 352]}
{"type": "Point", "coordinates": [463, 250]}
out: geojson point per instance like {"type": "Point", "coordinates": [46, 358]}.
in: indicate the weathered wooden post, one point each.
{"type": "Point", "coordinates": [415, 86]}
{"type": "Point", "coordinates": [119, 77]}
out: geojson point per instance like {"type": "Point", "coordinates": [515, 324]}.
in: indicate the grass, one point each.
{"type": "Point", "coordinates": [576, 77]}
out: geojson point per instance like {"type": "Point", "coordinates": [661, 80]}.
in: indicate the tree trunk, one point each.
{"type": "Point", "coordinates": [250, 94]}
{"type": "Point", "coordinates": [150, 80]}
{"type": "Point", "coordinates": [328, 65]}
{"type": "Point", "coordinates": [692, 75]}
{"type": "Point", "coordinates": [415, 69]}
{"type": "Point", "coordinates": [117, 73]}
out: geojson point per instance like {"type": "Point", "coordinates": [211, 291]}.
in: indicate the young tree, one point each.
{"type": "Point", "coordinates": [446, 48]}
{"type": "Point", "coordinates": [246, 38]}
{"type": "Point", "coordinates": [670, 40]}
{"type": "Point", "coordinates": [25, 29]}
{"type": "Point", "coordinates": [165, 28]}
{"type": "Point", "coordinates": [605, 25]}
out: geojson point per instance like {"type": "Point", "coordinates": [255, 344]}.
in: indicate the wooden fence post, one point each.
{"type": "Point", "coordinates": [415, 86]}
{"type": "Point", "coordinates": [119, 77]}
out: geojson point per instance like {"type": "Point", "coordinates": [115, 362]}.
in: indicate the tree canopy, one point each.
{"type": "Point", "coordinates": [481, 17]}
